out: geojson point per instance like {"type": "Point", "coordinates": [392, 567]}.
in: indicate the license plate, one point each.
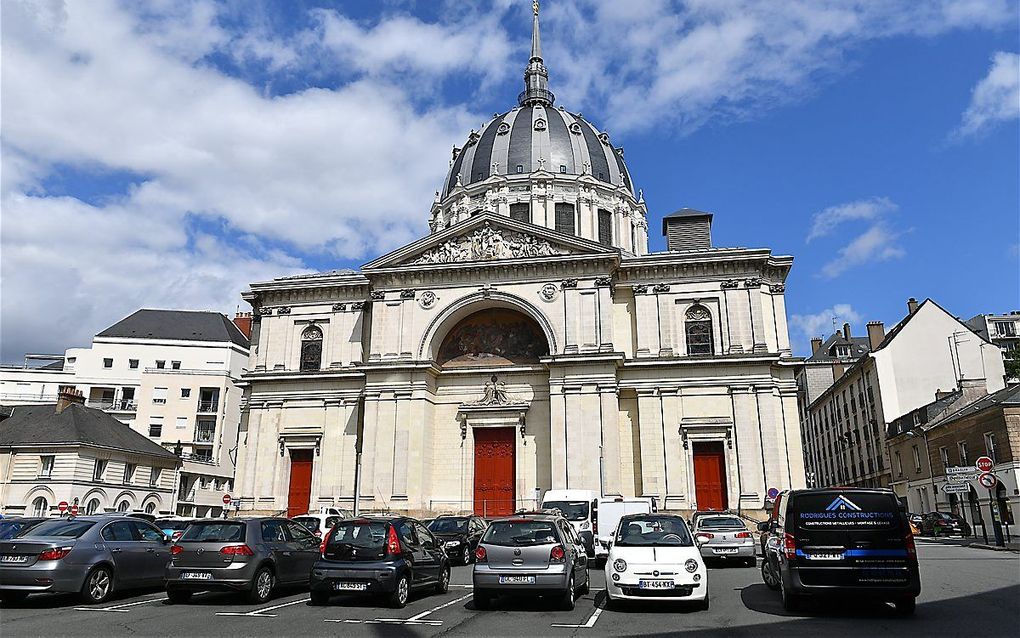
{"type": "Point", "coordinates": [655, 584]}
{"type": "Point", "coordinates": [725, 551]}
{"type": "Point", "coordinates": [826, 556]}
{"type": "Point", "coordinates": [345, 586]}
{"type": "Point", "coordinates": [196, 576]}
{"type": "Point", "coordinates": [516, 580]}
{"type": "Point", "coordinates": [14, 558]}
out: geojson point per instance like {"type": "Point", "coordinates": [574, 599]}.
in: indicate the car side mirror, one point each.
{"type": "Point", "coordinates": [763, 526]}
{"type": "Point", "coordinates": [166, 539]}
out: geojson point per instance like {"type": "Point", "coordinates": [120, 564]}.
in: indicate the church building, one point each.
{"type": "Point", "coordinates": [529, 342]}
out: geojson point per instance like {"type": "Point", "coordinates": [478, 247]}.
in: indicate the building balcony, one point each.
{"type": "Point", "coordinates": [205, 436]}
{"type": "Point", "coordinates": [27, 397]}
{"type": "Point", "coordinates": [207, 406]}
{"type": "Point", "coordinates": [120, 405]}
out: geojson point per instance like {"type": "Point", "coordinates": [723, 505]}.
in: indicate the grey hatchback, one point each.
{"type": "Point", "coordinates": [537, 554]}
{"type": "Point", "coordinates": [248, 555]}
{"type": "Point", "coordinates": [91, 555]}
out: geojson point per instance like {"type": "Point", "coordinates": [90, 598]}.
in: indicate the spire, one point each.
{"type": "Point", "coordinates": [536, 77]}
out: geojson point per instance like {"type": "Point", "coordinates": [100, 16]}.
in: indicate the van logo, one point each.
{"type": "Point", "coordinates": [517, 552]}
{"type": "Point", "coordinates": [842, 503]}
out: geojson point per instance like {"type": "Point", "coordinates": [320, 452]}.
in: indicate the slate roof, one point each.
{"type": "Point", "coordinates": [859, 346]}
{"type": "Point", "coordinates": [177, 325]}
{"type": "Point", "coordinates": [1007, 397]}
{"type": "Point", "coordinates": [77, 424]}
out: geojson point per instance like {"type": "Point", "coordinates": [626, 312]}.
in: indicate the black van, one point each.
{"type": "Point", "coordinates": [841, 541]}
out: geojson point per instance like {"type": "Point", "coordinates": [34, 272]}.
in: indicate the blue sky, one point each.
{"type": "Point", "coordinates": [166, 158]}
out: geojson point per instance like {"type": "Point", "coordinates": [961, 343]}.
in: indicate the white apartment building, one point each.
{"type": "Point", "coordinates": [170, 375]}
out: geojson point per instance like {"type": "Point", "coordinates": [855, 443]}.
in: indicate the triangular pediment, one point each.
{"type": "Point", "coordinates": [489, 237]}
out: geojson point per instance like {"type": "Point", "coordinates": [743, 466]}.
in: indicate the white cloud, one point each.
{"type": "Point", "coordinates": [819, 324]}
{"type": "Point", "coordinates": [826, 221]}
{"type": "Point", "coordinates": [876, 244]}
{"type": "Point", "coordinates": [995, 98]}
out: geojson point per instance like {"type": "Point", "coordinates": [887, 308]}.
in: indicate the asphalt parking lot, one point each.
{"type": "Point", "coordinates": [964, 590]}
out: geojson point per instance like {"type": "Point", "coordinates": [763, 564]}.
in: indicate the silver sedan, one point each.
{"type": "Point", "coordinates": [725, 537]}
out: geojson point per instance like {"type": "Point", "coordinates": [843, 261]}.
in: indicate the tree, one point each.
{"type": "Point", "coordinates": [1011, 360]}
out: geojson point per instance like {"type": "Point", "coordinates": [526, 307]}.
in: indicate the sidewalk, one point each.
{"type": "Point", "coordinates": [976, 543]}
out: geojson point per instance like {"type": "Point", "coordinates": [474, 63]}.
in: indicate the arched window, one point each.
{"type": "Point", "coordinates": [311, 348]}
{"type": "Point", "coordinates": [494, 336]}
{"type": "Point", "coordinates": [40, 507]}
{"type": "Point", "coordinates": [92, 506]}
{"type": "Point", "coordinates": [150, 508]}
{"type": "Point", "coordinates": [698, 328]}
{"type": "Point", "coordinates": [123, 507]}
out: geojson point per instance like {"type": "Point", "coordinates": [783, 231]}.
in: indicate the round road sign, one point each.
{"type": "Point", "coordinates": [987, 480]}
{"type": "Point", "coordinates": [226, 499]}
{"type": "Point", "coordinates": [74, 510]}
{"type": "Point", "coordinates": [984, 464]}
{"type": "Point", "coordinates": [62, 506]}
{"type": "Point", "coordinates": [773, 493]}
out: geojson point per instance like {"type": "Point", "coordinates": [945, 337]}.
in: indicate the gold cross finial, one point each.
{"type": "Point", "coordinates": [534, 7]}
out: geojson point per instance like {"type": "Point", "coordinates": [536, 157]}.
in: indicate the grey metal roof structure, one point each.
{"type": "Point", "coordinates": [536, 136]}
{"type": "Point", "coordinates": [177, 325]}
{"type": "Point", "coordinates": [1006, 397]}
{"type": "Point", "coordinates": [859, 346]}
{"type": "Point", "coordinates": [33, 425]}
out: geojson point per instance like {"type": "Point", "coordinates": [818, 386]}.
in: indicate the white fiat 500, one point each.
{"type": "Point", "coordinates": [653, 557]}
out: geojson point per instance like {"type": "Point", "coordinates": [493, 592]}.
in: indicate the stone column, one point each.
{"type": "Point", "coordinates": [589, 319]}
{"type": "Point", "coordinates": [610, 424]}
{"type": "Point", "coordinates": [747, 430]}
{"type": "Point", "coordinates": [557, 436]}
{"type": "Point", "coordinates": [653, 467]}
{"type": "Point", "coordinates": [667, 319]}
{"type": "Point", "coordinates": [369, 445]}
{"type": "Point", "coordinates": [676, 468]}
{"type": "Point", "coordinates": [404, 459]}
{"type": "Point", "coordinates": [738, 314]}
{"type": "Point", "coordinates": [754, 297]}
{"type": "Point", "coordinates": [782, 329]}
{"type": "Point", "coordinates": [570, 318]}
{"type": "Point", "coordinates": [647, 322]}
{"type": "Point", "coordinates": [604, 309]}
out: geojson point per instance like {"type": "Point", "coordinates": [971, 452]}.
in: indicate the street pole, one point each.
{"type": "Point", "coordinates": [996, 525]}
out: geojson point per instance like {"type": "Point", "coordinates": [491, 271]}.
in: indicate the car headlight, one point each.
{"type": "Point", "coordinates": [586, 525]}
{"type": "Point", "coordinates": [451, 543]}
{"type": "Point", "coordinates": [620, 565]}
{"type": "Point", "coordinates": [691, 565]}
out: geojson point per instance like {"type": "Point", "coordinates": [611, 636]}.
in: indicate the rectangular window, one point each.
{"type": "Point", "coordinates": [605, 227]}
{"type": "Point", "coordinates": [185, 393]}
{"type": "Point", "coordinates": [160, 364]}
{"type": "Point", "coordinates": [1005, 328]}
{"type": "Point", "coordinates": [182, 422]}
{"type": "Point", "coordinates": [944, 455]}
{"type": "Point", "coordinates": [565, 218]}
{"type": "Point", "coordinates": [917, 459]}
{"type": "Point", "coordinates": [990, 446]}
{"type": "Point", "coordinates": [899, 463]}
{"type": "Point", "coordinates": [520, 168]}
{"type": "Point", "coordinates": [107, 363]}
{"type": "Point", "coordinates": [133, 364]}
{"type": "Point", "coordinates": [176, 365]}
{"type": "Point", "coordinates": [154, 477]}
{"type": "Point", "coordinates": [520, 212]}
{"type": "Point", "coordinates": [155, 426]}
{"type": "Point", "coordinates": [99, 469]}
{"type": "Point", "coordinates": [159, 395]}
{"type": "Point", "coordinates": [45, 467]}
{"type": "Point", "coordinates": [129, 473]}
{"type": "Point", "coordinates": [961, 447]}
{"type": "Point", "coordinates": [205, 430]}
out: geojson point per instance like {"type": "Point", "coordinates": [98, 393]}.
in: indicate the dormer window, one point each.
{"type": "Point", "coordinates": [843, 351]}
{"type": "Point", "coordinates": [520, 168]}
{"type": "Point", "coordinates": [563, 168]}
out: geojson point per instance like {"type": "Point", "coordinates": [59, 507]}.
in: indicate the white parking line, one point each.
{"type": "Point", "coordinates": [591, 619]}
{"type": "Point", "coordinates": [413, 620]}
{"type": "Point", "coordinates": [260, 613]}
{"type": "Point", "coordinates": [118, 608]}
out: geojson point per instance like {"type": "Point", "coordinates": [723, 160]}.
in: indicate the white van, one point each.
{"type": "Point", "coordinates": [611, 509]}
{"type": "Point", "coordinates": [581, 508]}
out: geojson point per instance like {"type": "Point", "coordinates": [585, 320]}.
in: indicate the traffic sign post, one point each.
{"type": "Point", "coordinates": [984, 464]}
{"type": "Point", "coordinates": [956, 488]}
{"type": "Point", "coordinates": [74, 510]}
{"type": "Point", "coordinates": [988, 481]}
{"type": "Point", "coordinates": [62, 507]}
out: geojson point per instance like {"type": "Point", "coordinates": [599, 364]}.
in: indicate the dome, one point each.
{"type": "Point", "coordinates": [533, 137]}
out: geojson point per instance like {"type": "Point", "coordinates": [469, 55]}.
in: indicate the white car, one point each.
{"type": "Point", "coordinates": [319, 524]}
{"type": "Point", "coordinates": [653, 557]}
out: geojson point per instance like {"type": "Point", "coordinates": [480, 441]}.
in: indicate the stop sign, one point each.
{"type": "Point", "coordinates": [62, 506]}
{"type": "Point", "coordinates": [226, 499]}
{"type": "Point", "coordinates": [984, 464]}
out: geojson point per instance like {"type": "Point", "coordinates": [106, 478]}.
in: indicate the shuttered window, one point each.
{"type": "Point", "coordinates": [605, 227]}
{"type": "Point", "coordinates": [565, 218]}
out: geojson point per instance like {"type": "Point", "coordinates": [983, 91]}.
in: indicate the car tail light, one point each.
{"type": "Point", "coordinates": [318, 532]}
{"type": "Point", "coordinates": [322, 545]}
{"type": "Point", "coordinates": [557, 555]}
{"type": "Point", "coordinates": [790, 545]}
{"type": "Point", "coordinates": [480, 555]}
{"type": "Point", "coordinates": [237, 550]}
{"type": "Point", "coordinates": [703, 536]}
{"type": "Point", "coordinates": [55, 554]}
{"type": "Point", "coordinates": [392, 542]}
{"type": "Point", "coordinates": [743, 534]}
{"type": "Point", "coordinates": [175, 550]}
{"type": "Point", "coordinates": [176, 536]}
{"type": "Point", "coordinates": [911, 548]}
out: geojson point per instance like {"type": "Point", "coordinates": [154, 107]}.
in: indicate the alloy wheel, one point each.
{"type": "Point", "coordinates": [99, 584]}
{"type": "Point", "coordinates": [264, 584]}
{"type": "Point", "coordinates": [402, 590]}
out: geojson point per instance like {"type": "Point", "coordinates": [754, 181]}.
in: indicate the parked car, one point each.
{"type": "Point", "coordinates": [725, 537]}
{"type": "Point", "coordinates": [915, 523]}
{"type": "Point", "coordinates": [173, 526]}
{"type": "Point", "coordinates": [769, 524]}
{"type": "Point", "coordinates": [535, 554]}
{"type": "Point", "coordinates": [698, 514]}
{"type": "Point", "coordinates": [90, 555]}
{"type": "Point", "coordinates": [943, 524]}
{"type": "Point", "coordinates": [379, 555]}
{"type": "Point", "coordinates": [459, 535]}
{"type": "Point", "coordinates": [581, 509]}
{"type": "Point", "coordinates": [252, 556]}
{"type": "Point", "coordinates": [11, 527]}
{"type": "Point", "coordinates": [318, 524]}
{"type": "Point", "coordinates": [610, 511]}
{"type": "Point", "coordinates": [842, 542]}
{"type": "Point", "coordinates": [652, 556]}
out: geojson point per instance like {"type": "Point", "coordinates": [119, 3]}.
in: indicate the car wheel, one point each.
{"type": "Point", "coordinates": [567, 602]}
{"type": "Point", "coordinates": [906, 606]}
{"type": "Point", "coordinates": [443, 584]}
{"type": "Point", "coordinates": [98, 585]}
{"type": "Point", "coordinates": [178, 596]}
{"type": "Point", "coordinates": [262, 586]}
{"type": "Point", "coordinates": [751, 562]}
{"type": "Point", "coordinates": [11, 597]}
{"type": "Point", "coordinates": [318, 598]}
{"type": "Point", "coordinates": [702, 605]}
{"type": "Point", "coordinates": [465, 555]}
{"type": "Point", "coordinates": [585, 588]}
{"type": "Point", "coordinates": [768, 575]}
{"type": "Point", "coordinates": [790, 601]}
{"type": "Point", "coordinates": [398, 599]}
{"type": "Point", "coordinates": [481, 599]}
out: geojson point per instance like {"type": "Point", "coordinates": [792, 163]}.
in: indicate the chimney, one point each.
{"type": "Point", "coordinates": [973, 389]}
{"type": "Point", "coordinates": [837, 370]}
{"type": "Point", "coordinates": [816, 345]}
{"type": "Point", "coordinates": [911, 306]}
{"type": "Point", "coordinates": [876, 333]}
{"type": "Point", "coordinates": [846, 331]}
{"type": "Point", "coordinates": [69, 397]}
{"type": "Point", "coordinates": [687, 229]}
{"type": "Point", "coordinates": [243, 322]}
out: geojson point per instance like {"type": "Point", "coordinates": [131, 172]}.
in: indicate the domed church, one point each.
{"type": "Point", "coordinates": [529, 342]}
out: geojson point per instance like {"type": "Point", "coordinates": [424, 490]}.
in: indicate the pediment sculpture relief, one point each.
{"type": "Point", "coordinates": [488, 243]}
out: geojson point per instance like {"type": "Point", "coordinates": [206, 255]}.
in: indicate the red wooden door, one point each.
{"type": "Point", "coordinates": [709, 476]}
{"type": "Point", "coordinates": [300, 482]}
{"type": "Point", "coordinates": [494, 471]}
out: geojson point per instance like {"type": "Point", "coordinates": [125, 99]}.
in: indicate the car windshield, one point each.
{"type": "Point", "coordinates": [61, 528]}
{"type": "Point", "coordinates": [174, 525]}
{"type": "Point", "coordinates": [9, 529]}
{"type": "Point", "coordinates": [520, 533]}
{"type": "Point", "coordinates": [653, 531]}
{"type": "Point", "coordinates": [720, 522]}
{"type": "Point", "coordinates": [571, 510]}
{"type": "Point", "coordinates": [213, 532]}
{"type": "Point", "coordinates": [448, 526]}
{"type": "Point", "coordinates": [308, 522]}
